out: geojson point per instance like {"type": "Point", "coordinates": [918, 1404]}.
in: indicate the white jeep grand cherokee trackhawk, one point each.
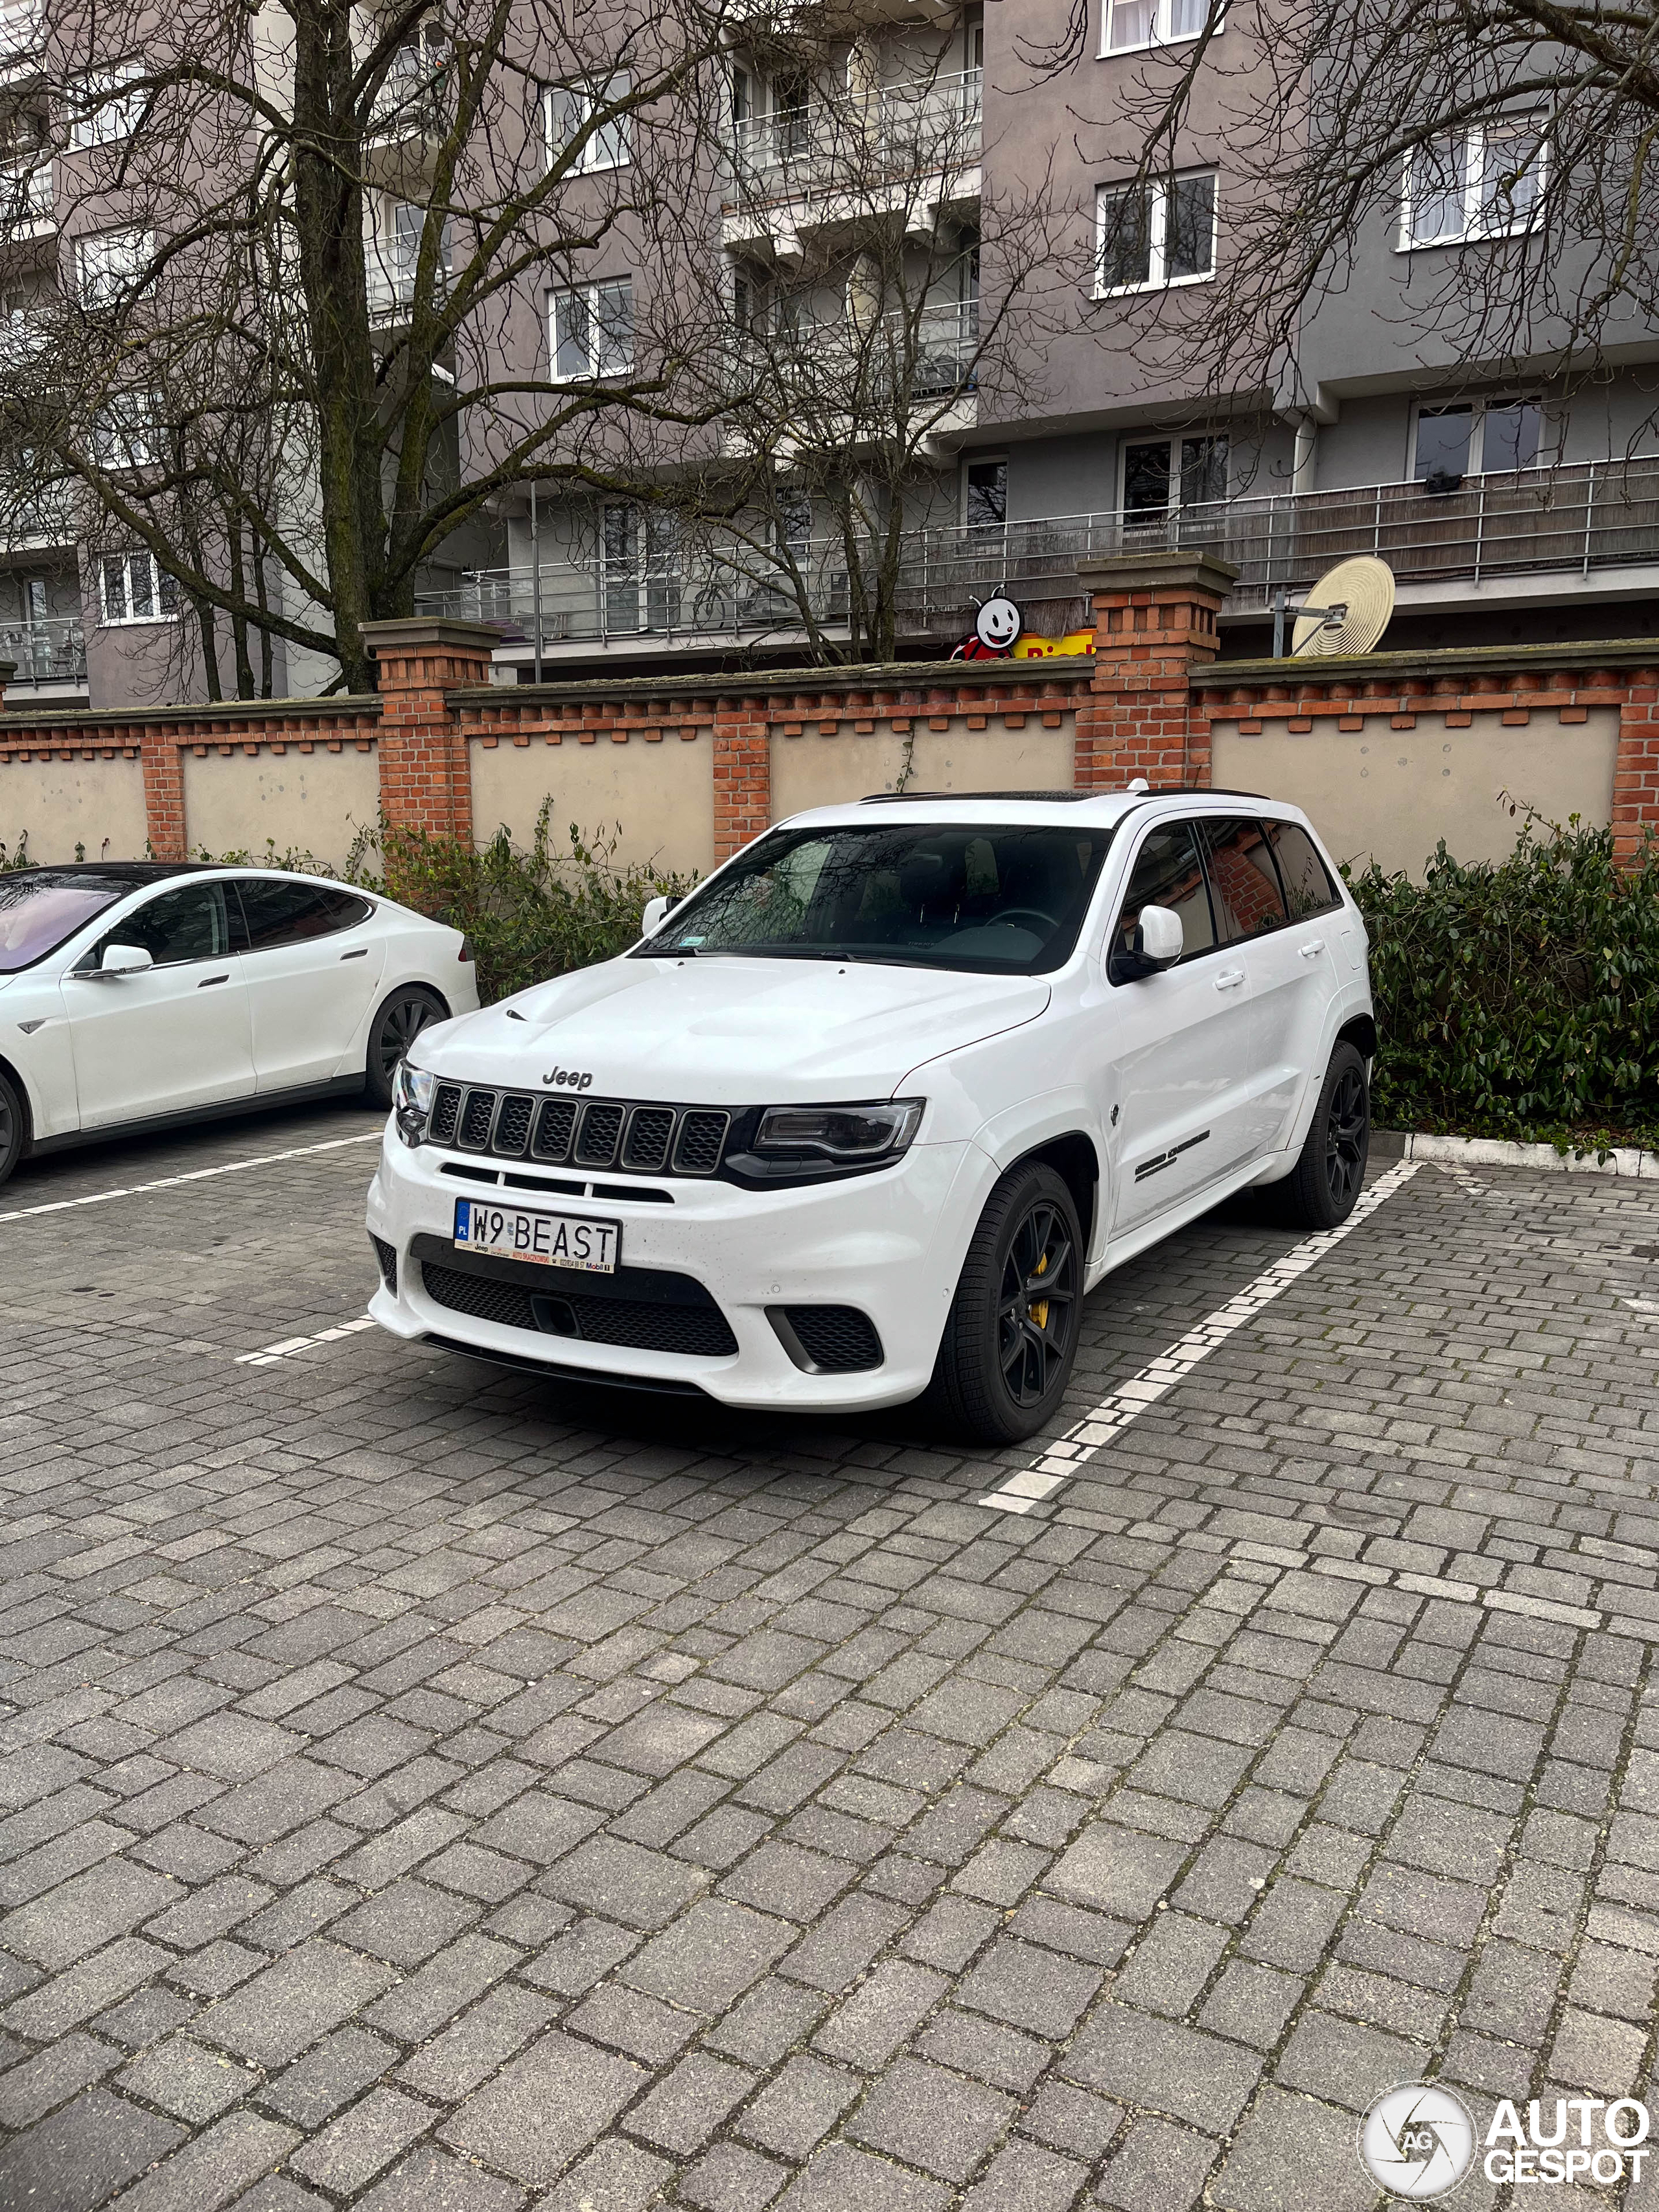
{"type": "Point", "coordinates": [865, 1115]}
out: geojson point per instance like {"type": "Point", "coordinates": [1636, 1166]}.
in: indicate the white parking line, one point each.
{"type": "Point", "coordinates": [1060, 1460]}
{"type": "Point", "coordinates": [197, 1175]}
{"type": "Point", "coordinates": [271, 1353]}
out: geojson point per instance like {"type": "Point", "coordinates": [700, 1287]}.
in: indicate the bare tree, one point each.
{"type": "Point", "coordinates": [334, 278]}
{"type": "Point", "coordinates": [1523, 132]}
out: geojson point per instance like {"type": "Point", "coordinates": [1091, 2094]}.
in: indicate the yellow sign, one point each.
{"type": "Point", "coordinates": [1041, 648]}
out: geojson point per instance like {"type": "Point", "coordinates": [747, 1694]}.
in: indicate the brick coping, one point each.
{"type": "Point", "coordinates": [343, 703]}
{"type": "Point", "coordinates": [866, 676]}
{"type": "Point", "coordinates": [1449, 660]}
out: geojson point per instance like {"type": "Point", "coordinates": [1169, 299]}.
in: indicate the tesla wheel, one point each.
{"type": "Point", "coordinates": [398, 1021]}
{"type": "Point", "coordinates": [1320, 1191]}
{"type": "Point", "coordinates": [14, 1127]}
{"type": "Point", "coordinates": [1010, 1336]}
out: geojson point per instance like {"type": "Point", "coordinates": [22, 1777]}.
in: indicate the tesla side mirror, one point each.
{"type": "Point", "coordinates": [1158, 942]}
{"type": "Point", "coordinates": [124, 960]}
{"type": "Point", "coordinates": [657, 911]}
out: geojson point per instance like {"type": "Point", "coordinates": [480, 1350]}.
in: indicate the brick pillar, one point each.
{"type": "Point", "coordinates": [164, 791]}
{"type": "Point", "coordinates": [743, 773]}
{"type": "Point", "coordinates": [1636, 765]}
{"type": "Point", "coordinates": [1154, 622]}
{"type": "Point", "coordinates": [426, 780]}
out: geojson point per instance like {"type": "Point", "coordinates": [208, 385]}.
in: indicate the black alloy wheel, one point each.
{"type": "Point", "coordinates": [396, 1025]}
{"type": "Point", "coordinates": [1010, 1336]}
{"type": "Point", "coordinates": [14, 1127]}
{"type": "Point", "coordinates": [1320, 1191]}
{"type": "Point", "coordinates": [1035, 1309]}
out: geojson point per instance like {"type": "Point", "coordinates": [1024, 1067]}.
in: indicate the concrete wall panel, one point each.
{"type": "Point", "coordinates": [819, 771]}
{"type": "Point", "coordinates": [1392, 794]}
{"type": "Point", "coordinates": [661, 794]}
{"type": "Point", "coordinates": [58, 804]}
{"type": "Point", "coordinates": [312, 802]}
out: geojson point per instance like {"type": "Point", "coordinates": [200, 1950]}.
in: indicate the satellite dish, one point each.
{"type": "Point", "coordinates": [1347, 610]}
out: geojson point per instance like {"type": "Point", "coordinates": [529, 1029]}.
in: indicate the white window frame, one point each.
{"type": "Point", "coordinates": [158, 583]}
{"type": "Point", "coordinates": [1162, 195]}
{"type": "Point", "coordinates": [1160, 34]}
{"type": "Point", "coordinates": [590, 292]}
{"type": "Point", "coordinates": [115, 120]}
{"type": "Point", "coordinates": [611, 146]}
{"type": "Point", "coordinates": [111, 272]}
{"type": "Point", "coordinates": [1474, 228]}
{"type": "Point", "coordinates": [123, 431]}
{"type": "Point", "coordinates": [1479, 408]}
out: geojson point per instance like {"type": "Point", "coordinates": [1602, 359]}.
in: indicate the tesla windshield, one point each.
{"type": "Point", "coordinates": [39, 912]}
{"type": "Point", "coordinates": [1002, 899]}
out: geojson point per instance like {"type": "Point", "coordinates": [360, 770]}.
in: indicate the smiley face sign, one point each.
{"type": "Point", "coordinates": [996, 629]}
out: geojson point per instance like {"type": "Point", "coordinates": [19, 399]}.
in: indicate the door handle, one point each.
{"type": "Point", "coordinates": [1230, 981]}
{"type": "Point", "coordinates": [1312, 951]}
{"type": "Point", "coordinates": [208, 981]}
{"type": "Point", "coordinates": [361, 953]}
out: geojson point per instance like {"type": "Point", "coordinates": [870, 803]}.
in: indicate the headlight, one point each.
{"type": "Point", "coordinates": [412, 1092]}
{"type": "Point", "coordinates": [849, 1135]}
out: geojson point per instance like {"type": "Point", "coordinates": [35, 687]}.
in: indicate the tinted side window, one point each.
{"type": "Point", "coordinates": [1243, 881]}
{"type": "Point", "coordinates": [281, 913]}
{"type": "Point", "coordinates": [1167, 872]}
{"type": "Point", "coordinates": [1306, 880]}
{"type": "Point", "coordinates": [190, 923]}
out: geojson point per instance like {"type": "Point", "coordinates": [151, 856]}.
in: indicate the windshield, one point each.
{"type": "Point", "coordinates": [39, 912]}
{"type": "Point", "coordinates": [1000, 900]}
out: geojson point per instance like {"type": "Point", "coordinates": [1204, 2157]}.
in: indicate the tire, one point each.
{"type": "Point", "coordinates": [398, 1021]}
{"type": "Point", "coordinates": [1006, 1356]}
{"type": "Point", "coordinates": [13, 1126]}
{"type": "Point", "coordinates": [1320, 1191]}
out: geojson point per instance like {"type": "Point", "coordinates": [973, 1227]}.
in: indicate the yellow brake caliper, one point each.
{"type": "Point", "coordinates": [1039, 1309]}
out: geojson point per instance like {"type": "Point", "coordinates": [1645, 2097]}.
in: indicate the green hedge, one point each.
{"type": "Point", "coordinates": [1519, 997]}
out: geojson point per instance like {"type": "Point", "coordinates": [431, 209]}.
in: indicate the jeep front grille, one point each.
{"type": "Point", "coordinates": [611, 1133]}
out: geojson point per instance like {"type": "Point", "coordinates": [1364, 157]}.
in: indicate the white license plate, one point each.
{"type": "Point", "coordinates": [550, 1240]}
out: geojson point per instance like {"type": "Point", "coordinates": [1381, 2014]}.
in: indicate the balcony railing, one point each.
{"type": "Point", "coordinates": [22, 32]}
{"type": "Point", "coordinates": [52, 650]}
{"type": "Point", "coordinates": [1572, 520]}
{"type": "Point", "coordinates": [893, 130]}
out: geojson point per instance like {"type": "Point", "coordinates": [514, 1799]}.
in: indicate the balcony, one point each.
{"type": "Point", "coordinates": [1590, 528]}
{"type": "Point", "coordinates": [52, 650]}
{"type": "Point", "coordinates": [22, 37]}
{"type": "Point", "coordinates": [26, 199]}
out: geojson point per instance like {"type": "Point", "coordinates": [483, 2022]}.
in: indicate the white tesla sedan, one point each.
{"type": "Point", "coordinates": [134, 995]}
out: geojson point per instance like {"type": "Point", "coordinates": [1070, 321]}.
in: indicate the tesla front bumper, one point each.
{"type": "Point", "coordinates": [889, 1246]}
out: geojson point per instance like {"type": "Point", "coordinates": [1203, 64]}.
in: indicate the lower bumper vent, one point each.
{"type": "Point", "coordinates": [634, 1324]}
{"type": "Point", "coordinates": [828, 1339]}
{"type": "Point", "coordinates": [387, 1259]}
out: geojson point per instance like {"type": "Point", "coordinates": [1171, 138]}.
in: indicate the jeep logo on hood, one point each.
{"type": "Point", "coordinates": [574, 1079]}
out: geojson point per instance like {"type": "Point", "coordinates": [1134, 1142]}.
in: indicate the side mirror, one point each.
{"type": "Point", "coordinates": [124, 960]}
{"type": "Point", "coordinates": [657, 911]}
{"type": "Point", "coordinates": [1159, 941]}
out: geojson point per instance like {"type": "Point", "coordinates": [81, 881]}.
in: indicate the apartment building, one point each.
{"type": "Point", "coordinates": [1511, 507]}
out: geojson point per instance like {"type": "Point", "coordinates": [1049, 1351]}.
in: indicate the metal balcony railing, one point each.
{"type": "Point", "coordinates": [892, 131]}
{"type": "Point", "coordinates": [52, 650]}
{"type": "Point", "coordinates": [923, 352]}
{"type": "Point", "coordinates": [1570, 520]}
{"type": "Point", "coordinates": [25, 195]}
{"type": "Point", "coordinates": [22, 32]}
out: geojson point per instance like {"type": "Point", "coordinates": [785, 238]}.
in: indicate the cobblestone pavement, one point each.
{"type": "Point", "coordinates": [430, 1791]}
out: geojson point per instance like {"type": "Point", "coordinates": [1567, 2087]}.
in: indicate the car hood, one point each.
{"type": "Point", "coordinates": [731, 1032]}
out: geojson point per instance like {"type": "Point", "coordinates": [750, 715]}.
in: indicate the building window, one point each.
{"type": "Point", "coordinates": [592, 330]}
{"type": "Point", "coordinates": [1475, 437]}
{"type": "Point", "coordinates": [568, 110]}
{"type": "Point", "coordinates": [132, 589]}
{"type": "Point", "coordinates": [1161, 474]}
{"type": "Point", "coordinates": [1484, 183]}
{"type": "Point", "coordinates": [985, 495]}
{"type": "Point", "coordinates": [124, 431]}
{"type": "Point", "coordinates": [1127, 25]}
{"type": "Point", "coordinates": [109, 265]}
{"type": "Point", "coordinates": [101, 113]}
{"type": "Point", "coordinates": [1156, 235]}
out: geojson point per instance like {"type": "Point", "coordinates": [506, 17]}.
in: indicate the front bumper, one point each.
{"type": "Point", "coordinates": [890, 1244]}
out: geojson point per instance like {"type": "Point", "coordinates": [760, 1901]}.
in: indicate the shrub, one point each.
{"type": "Point", "coordinates": [531, 913]}
{"type": "Point", "coordinates": [1519, 997]}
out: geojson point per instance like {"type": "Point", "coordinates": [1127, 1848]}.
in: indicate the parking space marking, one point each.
{"type": "Point", "coordinates": [269, 1354]}
{"type": "Point", "coordinates": [1060, 1460]}
{"type": "Point", "coordinates": [196, 1175]}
